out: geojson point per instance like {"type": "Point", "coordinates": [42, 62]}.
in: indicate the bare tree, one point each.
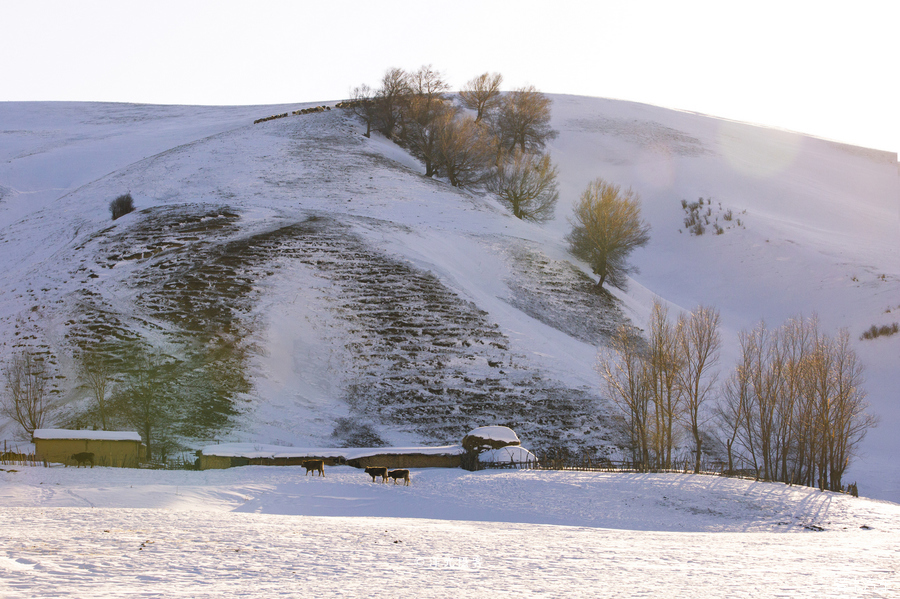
{"type": "Point", "coordinates": [526, 184]}
{"type": "Point", "coordinates": [426, 109]}
{"type": "Point", "coordinates": [795, 403]}
{"type": "Point", "coordinates": [606, 228]}
{"type": "Point", "coordinates": [849, 420]}
{"type": "Point", "coordinates": [522, 120]}
{"type": "Point", "coordinates": [465, 150]}
{"type": "Point", "coordinates": [147, 400]}
{"type": "Point", "coordinates": [27, 396]}
{"type": "Point", "coordinates": [97, 377]}
{"type": "Point", "coordinates": [700, 342]}
{"type": "Point", "coordinates": [364, 106]}
{"type": "Point", "coordinates": [624, 370]}
{"type": "Point", "coordinates": [835, 378]}
{"type": "Point", "coordinates": [665, 364]}
{"type": "Point", "coordinates": [766, 380]}
{"type": "Point", "coordinates": [390, 99]}
{"type": "Point", "coordinates": [795, 346]}
{"type": "Point", "coordinates": [482, 94]}
{"type": "Point", "coordinates": [733, 409]}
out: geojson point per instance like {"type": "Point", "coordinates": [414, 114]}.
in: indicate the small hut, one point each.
{"type": "Point", "coordinates": [122, 449]}
{"type": "Point", "coordinates": [490, 437]}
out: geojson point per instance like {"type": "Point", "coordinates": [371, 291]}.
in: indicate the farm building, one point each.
{"type": "Point", "coordinates": [490, 437]}
{"type": "Point", "coordinates": [243, 454]}
{"type": "Point", "coordinates": [486, 440]}
{"type": "Point", "coordinates": [230, 455]}
{"type": "Point", "coordinates": [122, 449]}
{"type": "Point", "coordinates": [448, 456]}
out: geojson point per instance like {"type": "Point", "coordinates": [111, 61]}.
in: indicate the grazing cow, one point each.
{"type": "Point", "coordinates": [315, 466]}
{"type": "Point", "coordinates": [374, 472]}
{"type": "Point", "coordinates": [83, 458]}
{"type": "Point", "coordinates": [399, 474]}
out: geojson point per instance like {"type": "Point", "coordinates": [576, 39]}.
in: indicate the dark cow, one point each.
{"type": "Point", "coordinates": [315, 466]}
{"type": "Point", "coordinates": [83, 458]}
{"type": "Point", "coordinates": [399, 475]}
{"type": "Point", "coordinates": [375, 472]}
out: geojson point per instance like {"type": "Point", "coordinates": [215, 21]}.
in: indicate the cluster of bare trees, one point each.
{"type": "Point", "coordinates": [145, 390]}
{"type": "Point", "coordinates": [793, 408]}
{"type": "Point", "coordinates": [140, 397]}
{"type": "Point", "coordinates": [501, 146]}
{"type": "Point", "coordinates": [149, 391]}
{"type": "Point", "coordinates": [662, 384]}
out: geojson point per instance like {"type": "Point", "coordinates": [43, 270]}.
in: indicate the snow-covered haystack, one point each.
{"type": "Point", "coordinates": [485, 438]}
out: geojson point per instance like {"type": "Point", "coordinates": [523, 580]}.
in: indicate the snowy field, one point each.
{"type": "Point", "coordinates": [272, 532]}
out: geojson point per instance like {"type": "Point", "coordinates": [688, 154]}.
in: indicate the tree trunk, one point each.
{"type": "Point", "coordinates": [699, 441]}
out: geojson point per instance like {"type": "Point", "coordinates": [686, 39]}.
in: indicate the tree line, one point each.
{"type": "Point", "coordinates": [487, 138]}
{"type": "Point", "coordinates": [500, 143]}
{"type": "Point", "coordinates": [160, 396]}
{"type": "Point", "coordinates": [793, 408]}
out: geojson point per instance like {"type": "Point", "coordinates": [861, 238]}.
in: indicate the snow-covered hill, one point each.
{"type": "Point", "coordinates": [359, 302]}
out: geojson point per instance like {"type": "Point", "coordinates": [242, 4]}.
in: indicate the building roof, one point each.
{"type": "Point", "coordinates": [61, 433]}
{"type": "Point", "coordinates": [255, 450]}
{"type": "Point", "coordinates": [496, 433]}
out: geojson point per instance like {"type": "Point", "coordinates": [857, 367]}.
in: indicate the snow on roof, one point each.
{"type": "Point", "coordinates": [255, 450]}
{"type": "Point", "coordinates": [509, 454]}
{"type": "Point", "coordinates": [61, 433]}
{"type": "Point", "coordinates": [497, 433]}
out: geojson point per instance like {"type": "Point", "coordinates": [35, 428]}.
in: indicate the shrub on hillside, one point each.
{"type": "Point", "coordinates": [697, 220]}
{"type": "Point", "coordinates": [882, 331]}
{"type": "Point", "coordinates": [121, 206]}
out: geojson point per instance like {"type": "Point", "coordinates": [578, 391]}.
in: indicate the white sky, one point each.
{"type": "Point", "coordinates": [794, 65]}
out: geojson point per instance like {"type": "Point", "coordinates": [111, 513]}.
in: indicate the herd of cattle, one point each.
{"type": "Point", "coordinates": [384, 473]}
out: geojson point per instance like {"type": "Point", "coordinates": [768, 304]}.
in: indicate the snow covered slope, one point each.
{"type": "Point", "coordinates": [820, 232]}
{"type": "Point", "coordinates": [107, 532]}
{"type": "Point", "coordinates": [361, 303]}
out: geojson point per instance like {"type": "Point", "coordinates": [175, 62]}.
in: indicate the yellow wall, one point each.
{"type": "Point", "coordinates": [400, 460]}
{"type": "Point", "coordinates": [120, 454]}
{"type": "Point", "coordinates": [214, 462]}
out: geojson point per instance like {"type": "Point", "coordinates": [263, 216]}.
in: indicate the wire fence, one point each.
{"type": "Point", "coordinates": [562, 460]}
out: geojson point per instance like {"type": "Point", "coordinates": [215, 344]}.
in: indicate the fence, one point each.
{"type": "Point", "coordinates": [14, 454]}
{"type": "Point", "coordinates": [563, 460]}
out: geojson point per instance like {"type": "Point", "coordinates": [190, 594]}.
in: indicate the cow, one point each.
{"type": "Point", "coordinates": [83, 458]}
{"type": "Point", "coordinates": [375, 472]}
{"type": "Point", "coordinates": [314, 466]}
{"type": "Point", "coordinates": [398, 475]}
